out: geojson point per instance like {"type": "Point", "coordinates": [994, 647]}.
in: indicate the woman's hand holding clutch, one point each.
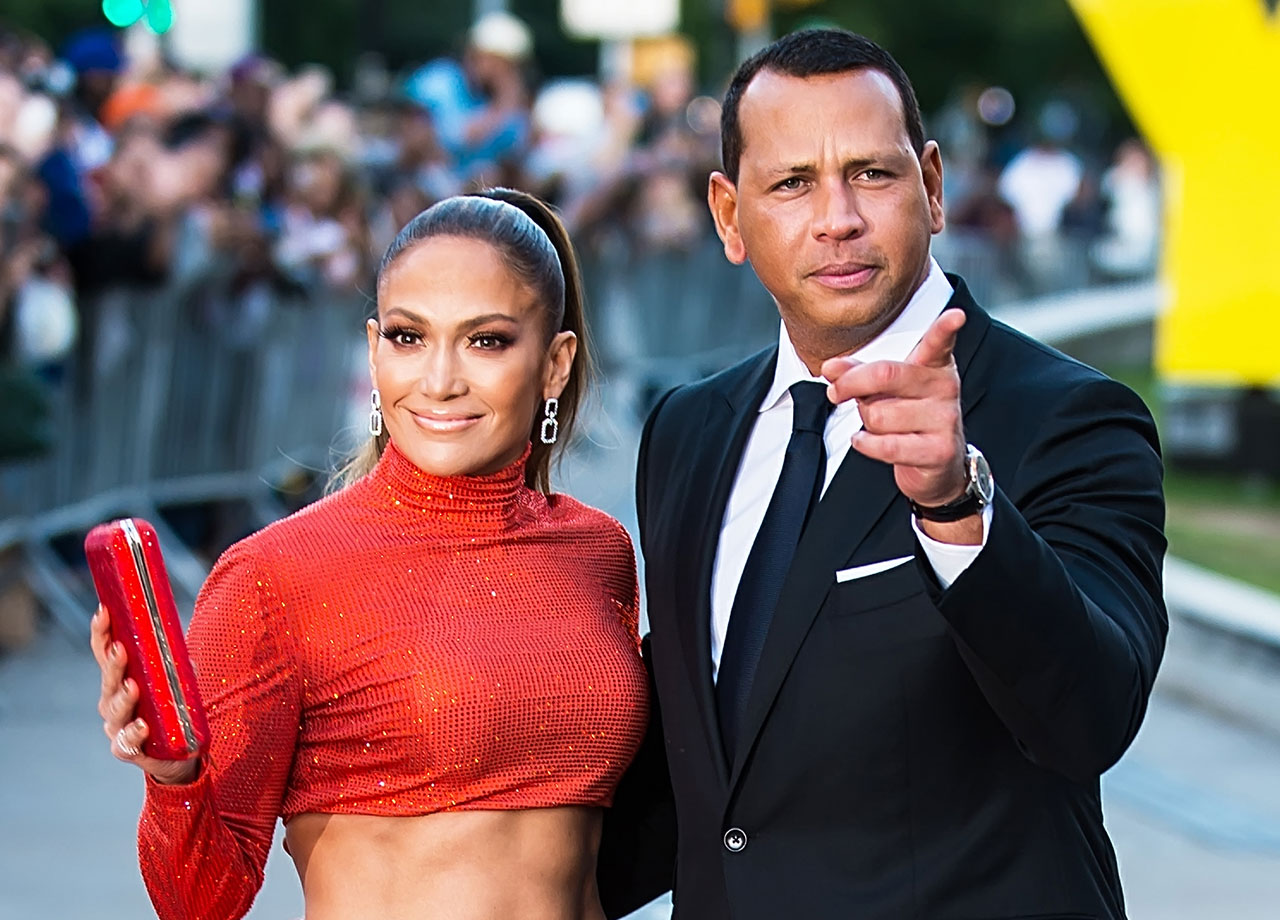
{"type": "Point", "coordinates": [118, 707]}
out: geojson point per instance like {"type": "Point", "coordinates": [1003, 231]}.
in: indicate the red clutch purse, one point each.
{"type": "Point", "coordinates": [129, 575]}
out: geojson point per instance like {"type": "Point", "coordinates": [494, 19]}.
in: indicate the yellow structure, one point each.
{"type": "Point", "coordinates": [1201, 79]}
{"type": "Point", "coordinates": [752, 15]}
{"type": "Point", "coordinates": [652, 57]}
{"type": "Point", "coordinates": [747, 15]}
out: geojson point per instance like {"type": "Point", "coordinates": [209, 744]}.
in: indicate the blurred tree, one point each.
{"type": "Point", "coordinates": [705, 22]}
{"type": "Point", "coordinates": [557, 54]}
{"type": "Point", "coordinates": [1037, 50]}
{"type": "Point", "coordinates": [405, 33]}
{"type": "Point", "coordinates": [328, 32]}
{"type": "Point", "coordinates": [52, 20]}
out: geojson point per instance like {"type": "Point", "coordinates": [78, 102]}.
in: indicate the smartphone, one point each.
{"type": "Point", "coordinates": [132, 584]}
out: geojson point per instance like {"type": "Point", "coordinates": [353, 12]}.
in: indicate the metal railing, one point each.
{"type": "Point", "coordinates": [669, 316]}
{"type": "Point", "coordinates": [186, 397]}
{"type": "Point", "coordinates": [196, 395]}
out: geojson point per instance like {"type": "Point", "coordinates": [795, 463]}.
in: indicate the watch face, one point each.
{"type": "Point", "coordinates": [980, 474]}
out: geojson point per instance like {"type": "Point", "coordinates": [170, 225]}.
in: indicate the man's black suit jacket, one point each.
{"type": "Point", "coordinates": [908, 751]}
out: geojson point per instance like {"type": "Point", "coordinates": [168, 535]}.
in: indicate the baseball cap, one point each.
{"type": "Point", "coordinates": [502, 34]}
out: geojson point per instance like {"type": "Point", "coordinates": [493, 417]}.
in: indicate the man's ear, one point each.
{"type": "Point", "coordinates": [722, 199]}
{"type": "Point", "coordinates": [931, 171]}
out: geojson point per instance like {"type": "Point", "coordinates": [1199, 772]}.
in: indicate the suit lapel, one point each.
{"type": "Point", "coordinates": [717, 452]}
{"type": "Point", "coordinates": [861, 491]}
{"type": "Point", "coordinates": [977, 322]}
{"type": "Point", "coordinates": [859, 495]}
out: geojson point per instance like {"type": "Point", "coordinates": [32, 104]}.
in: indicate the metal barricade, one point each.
{"type": "Point", "coordinates": [198, 394]}
{"type": "Point", "coordinates": [187, 397]}
{"type": "Point", "coordinates": [666, 317]}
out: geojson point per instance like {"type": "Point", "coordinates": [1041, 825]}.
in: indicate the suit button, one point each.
{"type": "Point", "coordinates": [735, 840]}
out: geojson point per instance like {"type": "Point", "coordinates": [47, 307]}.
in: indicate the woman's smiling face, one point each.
{"type": "Point", "coordinates": [461, 355]}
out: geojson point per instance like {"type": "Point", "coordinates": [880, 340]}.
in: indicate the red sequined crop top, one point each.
{"type": "Point", "coordinates": [411, 644]}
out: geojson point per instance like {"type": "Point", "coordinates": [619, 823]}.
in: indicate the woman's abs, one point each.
{"type": "Point", "coordinates": [465, 865]}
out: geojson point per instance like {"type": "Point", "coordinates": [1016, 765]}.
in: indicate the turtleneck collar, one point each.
{"type": "Point", "coordinates": [488, 502]}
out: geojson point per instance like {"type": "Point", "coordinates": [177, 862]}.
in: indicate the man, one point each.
{"type": "Point", "coordinates": [895, 701]}
{"type": "Point", "coordinates": [480, 106]}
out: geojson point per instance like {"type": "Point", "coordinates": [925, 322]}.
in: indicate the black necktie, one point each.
{"type": "Point", "coordinates": [797, 491]}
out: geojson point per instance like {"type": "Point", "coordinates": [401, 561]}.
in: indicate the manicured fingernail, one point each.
{"type": "Point", "coordinates": [139, 724]}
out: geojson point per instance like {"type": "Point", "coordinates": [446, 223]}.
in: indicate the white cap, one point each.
{"type": "Point", "coordinates": [569, 108]}
{"type": "Point", "coordinates": [502, 34]}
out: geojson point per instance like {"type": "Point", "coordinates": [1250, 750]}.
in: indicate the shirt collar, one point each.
{"type": "Point", "coordinates": [893, 344]}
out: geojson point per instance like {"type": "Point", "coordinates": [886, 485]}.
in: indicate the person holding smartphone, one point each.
{"type": "Point", "coordinates": [433, 674]}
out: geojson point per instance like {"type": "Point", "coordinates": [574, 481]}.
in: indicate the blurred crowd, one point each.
{"type": "Point", "coordinates": [256, 183]}
{"type": "Point", "coordinates": [120, 170]}
{"type": "Point", "coordinates": [1052, 210]}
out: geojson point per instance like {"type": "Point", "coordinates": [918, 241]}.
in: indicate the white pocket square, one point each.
{"type": "Point", "coordinates": [871, 568]}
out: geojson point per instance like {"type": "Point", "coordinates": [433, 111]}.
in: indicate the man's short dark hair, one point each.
{"type": "Point", "coordinates": [811, 53]}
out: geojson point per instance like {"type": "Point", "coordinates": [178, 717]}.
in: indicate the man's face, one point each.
{"type": "Point", "coordinates": [832, 207]}
{"type": "Point", "coordinates": [486, 70]}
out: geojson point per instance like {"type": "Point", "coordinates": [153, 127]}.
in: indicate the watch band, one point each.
{"type": "Point", "coordinates": [979, 488]}
{"type": "Point", "coordinates": [962, 507]}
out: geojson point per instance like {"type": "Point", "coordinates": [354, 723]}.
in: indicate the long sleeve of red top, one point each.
{"type": "Point", "coordinates": [202, 847]}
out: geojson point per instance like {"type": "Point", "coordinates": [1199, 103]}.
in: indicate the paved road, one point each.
{"type": "Point", "coordinates": [1194, 808]}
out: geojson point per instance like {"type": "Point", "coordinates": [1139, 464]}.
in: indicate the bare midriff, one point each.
{"type": "Point", "coordinates": [535, 864]}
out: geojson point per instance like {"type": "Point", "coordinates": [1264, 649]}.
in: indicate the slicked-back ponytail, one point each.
{"type": "Point", "coordinates": [536, 247]}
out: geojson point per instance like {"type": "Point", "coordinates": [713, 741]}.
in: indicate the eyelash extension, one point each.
{"type": "Point", "coordinates": [391, 333]}
{"type": "Point", "coordinates": [502, 340]}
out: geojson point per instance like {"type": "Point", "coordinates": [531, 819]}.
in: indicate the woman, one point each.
{"type": "Point", "coordinates": [433, 674]}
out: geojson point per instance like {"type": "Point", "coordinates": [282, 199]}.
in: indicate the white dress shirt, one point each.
{"type": "Point", "coordinates": [767, 445]}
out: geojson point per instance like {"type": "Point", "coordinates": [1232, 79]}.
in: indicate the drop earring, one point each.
{"type": "Point", "coordinates": [375, 412]}
{"type": "Point", "coordinates": [550, 427]}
